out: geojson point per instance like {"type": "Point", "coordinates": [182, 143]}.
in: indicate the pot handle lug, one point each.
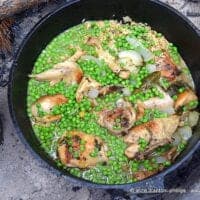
{"type": "Point", "coordinates": [151, 185]}
{"type": "Point", "coordinates": [146, 189]}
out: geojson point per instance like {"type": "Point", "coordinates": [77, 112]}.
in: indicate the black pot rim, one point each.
{"type": "Point", "coordinates": [76, 180]}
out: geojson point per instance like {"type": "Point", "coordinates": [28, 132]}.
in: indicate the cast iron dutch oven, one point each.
{"type": "Point", "coordinates": [162, 18]}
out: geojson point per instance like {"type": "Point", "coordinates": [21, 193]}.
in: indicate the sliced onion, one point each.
{"type": "Point", "coordinates": [151, 68]}
{"type": "Point", "coordinates": [193, 118]}
{"type": "Point", "coordinates": [93, 93]}
{"type": "Point", "coordinates": [126, 92]}
{"type": "Point", "coordinates": [139, 47]}
{"type": "Point", "coordinates": [133, 69]}
{"type": "Point", "coordinates": [130, 67]}
{"type": "Point", "coordinates": [53, 155]}
{"type": "Point", "coordinates": [120, 103]}
{"type": "Point", "coordinates": [185, 132]}
{"type": "Point", "coordinates": [146, 54]}
{"type": "Point", "coordinates": [88, 57]}
{"type": "Point", "coordinates": [160, 159]}
{"type": "Point", "coordinates": [133, 41]}
{"type": "Point", "coordinates": [134, 56]}
{"type": "Point", "coordinates": [177, 139]}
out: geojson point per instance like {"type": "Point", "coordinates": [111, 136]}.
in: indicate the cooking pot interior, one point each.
{"type": "Point", "coordinates": [160, 18]}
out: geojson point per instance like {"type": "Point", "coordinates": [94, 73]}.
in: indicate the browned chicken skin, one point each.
{"type": "Point", "coordinates": [109, 89]}
{"type": "Point", "coordinates": [184, 98]}
{"type": "Point", "coordinates": [118, 120]}
{"type": "Point", "coordinates": [47, 103]}
{"type": "Point", "coordinates": [156, 132]}
{"type": "Point", "coordinates": [84, 159]}
{"type": "Point", "coordinates": [170, 155]}
{"type": "Point", "coordinates": [68, 71]}
{"type": "Point", "coordinates": [140, 110]}
{"type": "Point", "coordinates": [167, 67]}
{"type": "Point", "coordinates": [86, 84]}
{"type": "Point", "coordinates": [76, 56]}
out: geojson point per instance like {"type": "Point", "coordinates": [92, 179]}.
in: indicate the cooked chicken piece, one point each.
{"type": "Point", "coordinates": [140, 110]}
{"type": "Point", "coordinates": [118, 120]}
{"type": "Point", "coordinates": [102, 91]}
{"type": "Point", "coordinates": [173, 89]}
{"type": "Point", "coordinates": [93, 41]}
{"type": "Point", "coordinates": [47, 119]}
{"type": "Point", "coordinates": [47, 103]}
{"type": "Point", "coordinates": [184, 98]}
{"type": "Point", "coordinates": [64, 154]}
{"type": "Point", "coordinates": [133, 149]}
{"type": "Point", "coordinates": [165, 104]}
{"type": "Point", "coordinates": [79, 53]}
{"type": "Point", "coordinates": [85, 86]}
{"type": "Point", "coordinates": [108, 58]}
{"type": "Point", "coordinates": [124, 73]}
{"type": "Point", "coordinates": [67, 71]}
{"type": "Point", "coordinates": [150, 80]}
{"type": "Point", "coordinates": [156, 132]}
{"type": "Point", "coordinates": [109, 89]}
{"type": "Point", "coordinates": [92, 89]}
{"type": "Point", "coordinates": [72, 140]}
{"type": "Point", "coordinates": [137, 132]}
{"type": "Point", "coordinates": [185, 77]}
{"type": "Point", "coordinates": [167, 67]}
{"type": "Point", "coordinates": [171, 154]}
